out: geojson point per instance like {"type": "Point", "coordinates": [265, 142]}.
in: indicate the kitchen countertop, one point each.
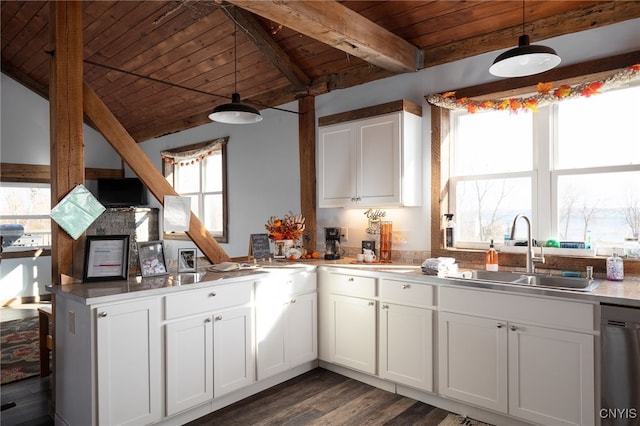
{"type": "Point", "coordinates": [626, 292]}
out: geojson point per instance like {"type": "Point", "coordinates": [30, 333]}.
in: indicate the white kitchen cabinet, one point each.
{"type": "Point", "coordinates": [128, 356]}
{"type": "Point", "coordinates": [348, 311]}
{"type": "Point", "coordinates": [189, 360]}
{"type": "Point", "coordinates": [406, 333]}
{"type": "Point", "coordinates": [493, 356]}
{"type": "Point", "coordinates": [209, 349]}
{"type": "Point", "coordinates": [372, 161]}
{"type": "Point", "coordinates": [286, 322]}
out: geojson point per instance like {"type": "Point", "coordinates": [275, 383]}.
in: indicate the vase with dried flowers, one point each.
{"type": "Point", "coordinates": [290, 227]}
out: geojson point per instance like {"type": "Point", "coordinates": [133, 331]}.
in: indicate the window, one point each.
{"type": "Point", "coordinates": [24, 214]}
{"type": "Point", "coordinates": [573, 167]}
{"type": "Point", "coordinates": [199, 172]}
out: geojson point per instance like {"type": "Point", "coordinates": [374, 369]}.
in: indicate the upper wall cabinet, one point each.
{"type": "Point", "coordinates": [371, 157]}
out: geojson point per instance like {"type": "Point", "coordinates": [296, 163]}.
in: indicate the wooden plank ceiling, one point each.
{"type": "Point", "coordinates": [161, 66]}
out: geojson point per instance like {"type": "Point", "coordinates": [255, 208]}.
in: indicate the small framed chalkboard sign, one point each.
{"type": "Point", "coordinates": [259, 247]}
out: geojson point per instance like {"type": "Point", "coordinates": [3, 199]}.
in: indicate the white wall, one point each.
{"type": "Point", "coordinates": [263, 157]}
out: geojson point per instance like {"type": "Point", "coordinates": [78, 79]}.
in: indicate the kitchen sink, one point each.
{"type": "Point", "coordinates": [566, 283]}
{"type": "Point", "coordinates": [551, 281]}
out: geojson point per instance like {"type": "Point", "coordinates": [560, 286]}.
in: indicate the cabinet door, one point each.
{"type": "Point", "coordinates": [303, 321]}
{"type": "Point", "coordinates": [353, 339]}
{"type": "Point", "coordinates": [472, 356]}
{"type": "Point", "coordinates": [232, 350]}
{"type": "Point", "coordinates": [336, 165]}
{"type": "Point", "coordinates": [378, 150]}
{"type": "Point", "coordinates": [406, 346]}
{"type": "Point", "coordinates": [551, 375]}
{"type": "Point", "coordinates": [189, 363]}
{"type": "Point", "coordinates": [128, 351]}
{"type": "Point", "coordinates": [272, 342]}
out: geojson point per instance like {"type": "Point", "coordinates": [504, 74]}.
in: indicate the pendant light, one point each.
{"type": "Point", "coordinates": [526, 59]}
{"type": "Point", "coordinates": [235, 112]}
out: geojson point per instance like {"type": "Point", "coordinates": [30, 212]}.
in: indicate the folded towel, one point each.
{"type": "Point", "coordinates": [440, 266]}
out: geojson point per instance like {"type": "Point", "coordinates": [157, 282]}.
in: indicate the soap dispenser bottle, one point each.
{"type": "Point", "coordinates": [615, 268]}
{"type": "Point", "coordinates": [449, 231]}
{"type": "Point", "coordinates": [491, 259]}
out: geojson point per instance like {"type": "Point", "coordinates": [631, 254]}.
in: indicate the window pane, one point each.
{"type": "Point", "coordinates": [603, 129]}
{"type": "Point", "coordinates": [486, 208]}
{"type": "Point", "coordinates": [213, 173]}
{"type": "Point", "coordinates": [26, 205]}
{"type": "Point", "coordinates": [213, 213]}
{"type": "Point", "coordinates": [493, 142]}
{"type": "Point", "coordinates": [187, 178]}
{"type": "Point", "coordinates": [606, 204]}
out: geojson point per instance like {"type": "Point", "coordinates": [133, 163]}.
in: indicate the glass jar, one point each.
{"type": "Point", "coordinates": [615, 268]}
{"type": "Point", "coordinates": [385, 241]}
{"type": "Point", "coordinates": [631, 248]}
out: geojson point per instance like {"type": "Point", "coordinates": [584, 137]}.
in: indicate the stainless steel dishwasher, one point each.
{"type": "Point", "coordinates": [620, 368]}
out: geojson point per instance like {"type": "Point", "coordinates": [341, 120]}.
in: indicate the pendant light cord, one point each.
{"type": "Point", "coordinates": [235, 52]}
{"type": "Point", "coordinates": [523, 19]}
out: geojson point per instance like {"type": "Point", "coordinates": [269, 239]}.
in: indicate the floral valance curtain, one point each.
{"type": "Point", "coordinates": [194, 155]}
{"type": "Point", "coordinates": [545, 94]}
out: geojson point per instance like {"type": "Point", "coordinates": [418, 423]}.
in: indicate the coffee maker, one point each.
{"type": "Point", "coordinates": [332, 243]}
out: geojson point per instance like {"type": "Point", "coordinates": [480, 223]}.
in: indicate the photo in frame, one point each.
{"type": "Point", "coordinates": [106, 258]}
{"type": "Point", "coordinates": [151, 258]}
{"type": "Point", "coordinates": [281, 247]}
{"type": "Point", "coordinates": [187, 260]}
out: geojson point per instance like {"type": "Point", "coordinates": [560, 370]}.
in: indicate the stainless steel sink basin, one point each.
{"type": "Point", "coordinates": [563, 283]}
{"type": "Point", "coordinates": [567, 283]}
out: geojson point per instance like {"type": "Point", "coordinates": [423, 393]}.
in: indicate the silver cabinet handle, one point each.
{"type": "Point", "coordinates": [385, 306]}
{"type": "Point", "coordinates": [219, 318]}
{"type": "Point", "coordinates": [212, 294]}
{"type": "Point", "coordinates": [499, 325]}
{"type": "Point", "coordinates": [293, 300]}
{"type": "Point", "coordinates": [406, 286]}
{"type": "Point", "coordinates": [371, 303]}
{"type": "Point", "coordinates": [103, 314]}
{"type": "Point", "coordinates": [351, 279]}
{"type": "Point", "coordinates": [207, 320]}
{"type": "Point", "coordinates": [514, 328]}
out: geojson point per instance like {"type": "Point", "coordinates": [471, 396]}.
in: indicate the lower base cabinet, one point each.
{"type": "Point", "coordinates": [539, 374]}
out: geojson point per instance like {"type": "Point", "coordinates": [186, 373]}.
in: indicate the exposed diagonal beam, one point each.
{"type": "Point", "coordinates": [271, 50]}
{"type": "Point", "coordinates": [340, 27]}
{"type": "Point", "coordinates": [130, 152]}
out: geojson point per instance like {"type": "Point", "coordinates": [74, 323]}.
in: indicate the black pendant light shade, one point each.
{"type": "Point", "coordinates": [235, 112]}
{"type": "Point", "coordinates": [526, 59]}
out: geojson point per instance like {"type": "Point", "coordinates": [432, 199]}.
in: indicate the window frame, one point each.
{"type": "Point", "coordinates": [168, 169]}
{"type": "Point", "coordinates": [440, 122]}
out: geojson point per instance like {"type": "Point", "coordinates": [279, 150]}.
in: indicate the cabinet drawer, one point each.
{"type": "Point", "coordinates": [352, 285]}
{"type": "Point", "coordinates": [411, 293]}
{"type": "Point", "coordinates": [302, 282]}
{"type": "Point", "coordinates": [207, 299]}
{"type": "Point", "coordinates": [555, 313]}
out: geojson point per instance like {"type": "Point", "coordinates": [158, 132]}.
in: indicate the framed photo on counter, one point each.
{"type": "Point", "coordinates": [187, 260]}
{"type": "Point", "coordinates": [151, 258]}
{"type": "Point", "coordinates": [106, 257]}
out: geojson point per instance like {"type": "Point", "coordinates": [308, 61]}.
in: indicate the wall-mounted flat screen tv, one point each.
{"type": "Point", "coordinates": [121, 192]}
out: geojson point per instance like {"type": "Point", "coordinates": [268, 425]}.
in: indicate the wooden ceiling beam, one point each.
{"type": "Point", "coordinates": [340, 27]}
{"type": "Point", "coordinates": [271, 50]}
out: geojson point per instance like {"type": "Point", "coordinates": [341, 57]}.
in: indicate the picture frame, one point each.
{"type": "Point", "coordinates": [106, 258]}
{"type": "Point", "coordinates": [187, 260]}
{"type": "Point", "coordinates": [151, 258]}
{"type": "Point", "coordinates": [281, 247]}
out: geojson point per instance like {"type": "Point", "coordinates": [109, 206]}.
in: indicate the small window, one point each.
{"type": "Point", "coordinates": [200, 172]}
{"type": "Point", "coordinates": [24, 215]}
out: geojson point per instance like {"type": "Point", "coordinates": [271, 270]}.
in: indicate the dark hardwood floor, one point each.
{"type": "Point", "coordinates": [321, 397]}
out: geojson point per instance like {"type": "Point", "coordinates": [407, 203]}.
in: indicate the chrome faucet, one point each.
{"type": "Point", "coordinates": [531, 257]}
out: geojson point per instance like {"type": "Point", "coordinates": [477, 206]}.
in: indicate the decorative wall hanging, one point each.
{"type": "Point", "coordinates": [184, 158]}
{"type": "Point", "coordinates": [546, 94]}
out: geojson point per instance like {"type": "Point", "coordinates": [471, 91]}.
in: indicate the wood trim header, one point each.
{"type": "Point", "coordinates": [372, 111]}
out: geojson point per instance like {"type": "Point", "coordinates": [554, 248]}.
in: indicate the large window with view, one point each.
{"type": "Point", "coordinates": [573, 167]}
{"type": "Point", "coordinates": [199, 172]}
